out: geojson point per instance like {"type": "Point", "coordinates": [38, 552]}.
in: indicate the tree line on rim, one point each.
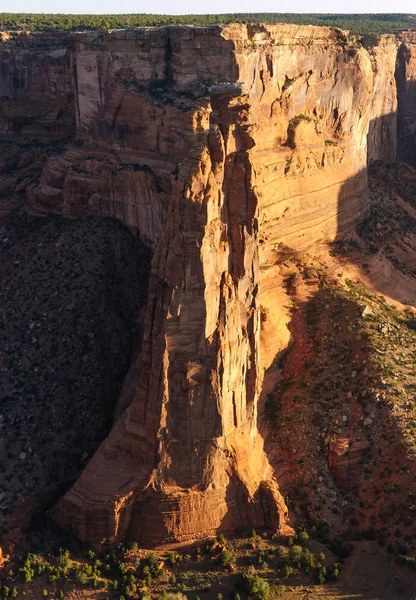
{"type": "Point", "coordinates": [357, 24]}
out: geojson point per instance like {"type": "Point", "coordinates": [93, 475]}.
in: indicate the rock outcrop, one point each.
{"type": "Point", "coordinates": [382, 133]}
{"type": "Point", "coordinates": [406, 78]}
{"type": "Point", "coordinates": [224, 149]}
{"type": "Point", "coordinates": [344, 456]}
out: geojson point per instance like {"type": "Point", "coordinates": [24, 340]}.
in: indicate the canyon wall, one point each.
{"type": "Point", "coordinates": [382, 134]}
{"type": "Point", "coordinates": [406, 78]}
{"type": "Point", "coordinates": [225, 149]}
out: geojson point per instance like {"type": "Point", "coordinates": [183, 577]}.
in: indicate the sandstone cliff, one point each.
{"type": "Point", "coordinates": [406, 77]}
{"type": "Point", "coordinates": [382, 134]}
{"type": "Point", "coordinates": [225, 149]}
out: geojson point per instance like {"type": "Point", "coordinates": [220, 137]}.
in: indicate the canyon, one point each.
{"type": "Point", "coordinates": [226, 152]}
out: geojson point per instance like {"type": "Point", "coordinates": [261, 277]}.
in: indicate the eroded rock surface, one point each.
{"type": "Point", "coordinates": [406, 78]}
{"type": "Point", "coordinates": [224, 149]}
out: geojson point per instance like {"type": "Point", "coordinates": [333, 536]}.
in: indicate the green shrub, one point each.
{"type": "Point", "coordinates": [295, 554]}
{"type": "Point", "coordinates": [302, 538]}
{"type": "Point", "coordinates": [147, 576]}
{"type": "Point", "coordinates": [286, 571]}
{"type": "Point", "coordinates": [256, 587]}
{"type": "Point", "coordinates": [321, 574]}
{"type": "Point", "coordinates": [307, 560]}
{"type": "Point", "coordinates": [27, 573]}
{"type": "Point", "coordinates": [81, 577]}
{"type": "Point", "coordinates": [225, 557]}
{"type": "Point", "coordinates": [64, 559]}
{"type": "Point", "coordinates": [173, 558]}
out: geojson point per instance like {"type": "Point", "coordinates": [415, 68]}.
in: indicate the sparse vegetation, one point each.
{"type": "Point", "coordinates": [66, 338]}
{"type": "Point", "coordinates": [347, 390]}
{"type": "Point", "coordinates": [247, 565]}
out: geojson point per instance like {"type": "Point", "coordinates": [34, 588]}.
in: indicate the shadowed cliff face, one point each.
{"type": "Point", "coordinates": [224, 148]}
{"type": "Point", "coordinates": [406, 83]}
{"type": "Point", "coordinates": [382, 132]}
{"type": "Point", "coordinates": [36, 91]}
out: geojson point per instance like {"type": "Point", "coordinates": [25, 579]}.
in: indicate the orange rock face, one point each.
{"type": "Point", "coordinates": [224, 148]}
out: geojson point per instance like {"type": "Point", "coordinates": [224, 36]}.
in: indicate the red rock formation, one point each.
{"type": "Point", "coordinates": [406, 78]}
{"type": "Point", "coordinates": [382, 134]}
{"type": "Point", "coordinates": [345, 457]}
{"type": "Point", "coordinates": [224, 148]}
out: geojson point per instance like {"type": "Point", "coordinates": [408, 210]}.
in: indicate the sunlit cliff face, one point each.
{"type": "Point", "coordinates": [224, 149]}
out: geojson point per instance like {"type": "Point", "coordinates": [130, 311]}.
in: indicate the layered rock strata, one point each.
{"type": "Point", "coordinates": [224, 149]}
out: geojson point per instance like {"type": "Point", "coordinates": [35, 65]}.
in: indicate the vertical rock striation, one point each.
{"type": "Point", "coordinates": [382, 133]}
{"type": "Point", "coordinates": [224, 149]}
{"type": "Point", "coordinates": [406, 80]}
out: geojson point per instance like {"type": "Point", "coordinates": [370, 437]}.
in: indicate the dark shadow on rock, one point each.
{"type": "Point", "coordinates": [245, 514]}
{"type": "Point", "coordinates": [406, 111]}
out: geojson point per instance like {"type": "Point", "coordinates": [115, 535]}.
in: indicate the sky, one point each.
{"type": "Point", "coordinates": [174, 7]}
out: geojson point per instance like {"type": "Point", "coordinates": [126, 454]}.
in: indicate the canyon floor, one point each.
{"type": "Point", "coordinates": [346, 385]}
